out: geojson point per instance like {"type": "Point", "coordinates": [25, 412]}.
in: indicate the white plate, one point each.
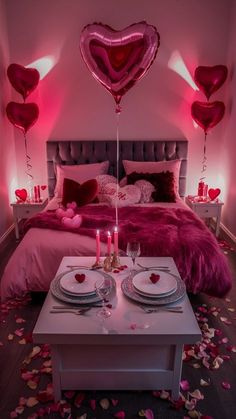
{"type": "Point", "coordinates": [164, 286]}
{"type": "Point", "coordinates": [70, 285]}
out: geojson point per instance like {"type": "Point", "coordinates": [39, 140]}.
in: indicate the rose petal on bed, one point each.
{"type": "Point", "coordinates": [196, 394]}
{"type": "Point", "coordinates": [31, 402]}
{"type": "Point", "coordinates": [184, 385]}
{"type": "Point", "coordinates": [226, 385]}
{"type": "Point", "coordinates": [120, 415]}
{"type": "Point", "coordinates": [104, 403]}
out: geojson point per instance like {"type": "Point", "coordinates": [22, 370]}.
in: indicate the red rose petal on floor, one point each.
{"type": "Point", "coordinates": [120, 415]}
{"type": "Point", "coordinates": [92, 404]}
{"type": "Point", "coordinates": [79, 399]}
{"type": "Point", "coordinates": [226, 385]}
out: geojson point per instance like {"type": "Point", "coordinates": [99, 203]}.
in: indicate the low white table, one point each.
{"type": "Point", "coordinates": [131, 351]}
{"type": "Point", "coordinates": [207, 210]}
{"type": "Point", "coordinates": [26, 210]}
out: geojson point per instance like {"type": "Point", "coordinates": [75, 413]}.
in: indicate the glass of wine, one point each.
{"type": "Point", "coordinates": [133, 250]}
{"type": "Point", "coordinates": [103, 288]}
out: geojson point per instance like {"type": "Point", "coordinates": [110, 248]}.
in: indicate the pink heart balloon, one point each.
{"type": "Point", "coordinates": [24, 80]}
{"type": "Point", "coordinates": [22, 115]}
{"type": "Point", "coordinates": [207, 114]}
{"type": "Point", "coordinates": [69, 213]}
{"type": "Point", "coordinates": [210, 79]}
{"type": "Point", "coordinates": [118, 59]}
{"type": "Point", "coordinates": [213, 193]}
{"type": "Point", "coordinates": [74, 222]}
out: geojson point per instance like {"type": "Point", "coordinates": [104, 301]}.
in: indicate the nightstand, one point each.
{"type": "Point", "coordinates": [26, 210]}
{"type": "Point", "coordinates": [206, 209]}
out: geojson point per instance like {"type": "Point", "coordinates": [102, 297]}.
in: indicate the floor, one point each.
{"type": "Point", "coordinates": [208, 377]}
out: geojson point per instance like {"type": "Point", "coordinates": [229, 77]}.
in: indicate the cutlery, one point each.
{"type": "Point", "coordinates": [90, 268]}
{"type": "Point", "coordinates": [78, 312]}
{"type": "Point", "coordinates": [161, 268]}
{"type": "Point", "coordinates": [176, 309]}
{"type": "Point", "coordinates": [86, 307]}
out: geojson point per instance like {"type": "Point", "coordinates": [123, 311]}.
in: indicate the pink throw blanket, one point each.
{"type": "Point", "coordinates": [161, 231]}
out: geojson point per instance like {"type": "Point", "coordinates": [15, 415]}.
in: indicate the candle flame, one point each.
{"type": "Point", "coordinates": [108, 233]}
{"type": "Point", "coordinates": [115, 228]}
{"type": "Point", "coordinates": [98, 231]}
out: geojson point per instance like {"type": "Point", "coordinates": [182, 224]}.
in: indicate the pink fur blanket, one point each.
{"type": "Point", "coordinates": [161, 231]}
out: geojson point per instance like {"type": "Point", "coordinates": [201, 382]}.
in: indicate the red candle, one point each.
{"type": "Point", "coordinates": [35, 194]}
{"type": "Point", "coordinates": [39, 197]}
{"type": "Point", "coordinates": [108, 243]}
{"type": "Point", "coordinates": [116, 240]}
{"type": "Point", "coordinates": [98, 249]}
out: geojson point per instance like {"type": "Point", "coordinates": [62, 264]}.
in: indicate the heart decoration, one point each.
{"type": "Point", "coordinates": [207, 114]}
{"type": "Point", "coordinates": [69, 213]}
{"type": "Point", "coordinates": [80, 278]}
{"type": "Point", "coordinates": [128, 195]}
{"type": "Point", "coordinates": [154, 278]}
{"type": "Point", "coordinates": [43, 187]}
{"type": "Point", "coordinates": [210, 79]}
{"type": "Point", "coordinates": [24, 80]}
{"type": "Point", "coordinates": [72, 205]}
{"type": "Point", "coordinates": [213, 193]}
{"type": "Point", "coordinates": [74, 222]}
{"type": "Point", "coordinates": [22, 115]}
{"type": "Point", "coordinates": [21, 194]}
{"type": "Point", "coordinates": [118, 59]}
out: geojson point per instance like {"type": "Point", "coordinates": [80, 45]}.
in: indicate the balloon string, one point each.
{"type": "Point", "coordinates": [28, 159]}
{"type": "Point", "coordinates": [118, 110]}
{"type": "Point", "coordinates": [204, 160]}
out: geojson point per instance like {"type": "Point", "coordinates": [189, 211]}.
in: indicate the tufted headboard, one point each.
{"type": "Point", "coordinates": [86, 151]}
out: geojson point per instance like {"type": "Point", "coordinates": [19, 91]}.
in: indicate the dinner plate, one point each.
{"type": "Point", "coordinates": [166, 284]}
{"type": "Point", "coordinates": [77, 299]}
{"type": "Point", "coordinates": [131, 292]}
{"type": "Point", "coordinates": [71, 286]}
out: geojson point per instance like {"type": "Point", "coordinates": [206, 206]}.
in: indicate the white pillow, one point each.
{"type": "Point", "coordinates": [154, 167]}
{"type": "Point", "coordinates": [128, 195]}
{"type": "Point", "coordinates": [80, 173]}
{"type": "Point", "coordinates": [103, 180]}
{"type": "Point", "coordinates": [146, 189]}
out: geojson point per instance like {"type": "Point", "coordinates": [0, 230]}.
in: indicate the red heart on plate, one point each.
{"type": "Point", "coordinates": [154, 278]}
{"type": "Point", "coordinates": [80, 278]}
{"type": "Point", "coordinates": [213, 193]}
{"type": "Point", "coordinates": [21, 193]}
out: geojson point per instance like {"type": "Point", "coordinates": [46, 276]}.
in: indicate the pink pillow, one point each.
{"type": "Point", "coordinates": [128, 195]}
{"type": "Point", "coordinates": [154, 167]}
{"type": "Point", "coordinates": [103, 180]}
{"type": "Point", "coordinates": [80, 173]}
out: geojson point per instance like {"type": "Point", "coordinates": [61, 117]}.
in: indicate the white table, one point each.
{"type": "Point", "coordinates": [132, 350]}
{"type": "Point", "coordinates": [26, 210]}
{"type": "Point", "coordinates": [207, 210]}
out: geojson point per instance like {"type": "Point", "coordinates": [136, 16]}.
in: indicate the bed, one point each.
{"type": "Point", "coordinates": [164, 228]}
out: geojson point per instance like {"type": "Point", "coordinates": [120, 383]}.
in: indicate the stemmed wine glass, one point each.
{"type": "Point", "coordinates": [133, 250]}
{"type": "Point", "coordinates": [103, 288]}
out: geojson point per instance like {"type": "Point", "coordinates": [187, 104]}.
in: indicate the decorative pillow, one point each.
{"type": "Point", "coordinates": [81, 194]}
{"type": "Point", "coordinates": [128, 195]}
{"type": "Point", "coordinates": [123, 182]}
{"type": "Point", "coordinates": [102, 181]}
{"type": "Point", "coordinates": [80, 173]}
{"type": "Point", "coordinates": [154, 167]}
{"type": "Point", "coordinates": [146, 189]}
{"type": "Point", "coordinates": [163, 183]}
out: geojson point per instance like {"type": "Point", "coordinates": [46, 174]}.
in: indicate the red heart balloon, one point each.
{"type": "Point", "coordinates": [213, 193]}
{"type": "Point", "coordinates": [21, 194]}
{"type": "Point", "coordinates": [24, 80]}
{"type": "Point", "coordinates": [207, 114]}
{"type": "Point", "coordinates": [118, 59]}
{"type": "Point", "coordinates": [210, 79]}
{"type": "Point", "coordinates": [22, 115]}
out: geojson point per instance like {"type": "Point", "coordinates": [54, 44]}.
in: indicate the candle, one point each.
{"type": "Point", "coordinates": [35, 194]}
{"type": "Point", "coordinates": [98, 246]}
{"type": "Point", "coordinates": [116, 240]}
{"type": "Point", "coordinates": [108, 243]}
{"type": "Point", "coordinates": [39, 197]}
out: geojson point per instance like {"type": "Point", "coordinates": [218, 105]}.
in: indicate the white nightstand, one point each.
{"type": "Point", "coordinates": [26, 210]}
{"type": "Point", "coordinates": [211, 209]}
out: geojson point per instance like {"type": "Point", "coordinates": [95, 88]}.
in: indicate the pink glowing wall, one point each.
{"type": "Point", "coordinates": [73, 105]}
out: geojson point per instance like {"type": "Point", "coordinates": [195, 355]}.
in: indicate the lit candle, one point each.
{"type": "Point", "coordinates": [108, 243]}
{"type": "Point", "coordinates": [98, 246]}
{"type": "Point", "coordinates": [116, 240]}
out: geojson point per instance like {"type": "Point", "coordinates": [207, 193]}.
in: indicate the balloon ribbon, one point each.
{"type": "Point", "coordinates": [28, 164]}
{"type": "Point", "coordinates": [204, 160]}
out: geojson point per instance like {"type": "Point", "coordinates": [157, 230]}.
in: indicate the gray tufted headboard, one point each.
{"type": "Point", "coordinates": [83, 151]}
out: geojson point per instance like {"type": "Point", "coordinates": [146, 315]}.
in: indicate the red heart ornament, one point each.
{"type": "Point", "coordinates": [22, 115]}
{"type": "Point", "coordinates": [213, 193]}
{"type": "Point", "coordinates": [210, 79]}
{"type": "Point", "coordinates": [43, 187]}
{"type": "Point", "coordinates": [154, 278]}
{"type": "Point", "coordinates": [207, 114]}
{"type": "Point", "coordinates": [80, 278]}
{"type": "Point", "coordinates": [118, 59]}
{"type": "Point", "coordinates": [21, 194]}
{"type": "Point", "coordinates": [24, 80]}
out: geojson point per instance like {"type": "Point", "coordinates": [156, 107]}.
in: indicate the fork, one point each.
{"type": "Point", "coordinates": [176, 309]}
{"type": "Point", "coordinates": [160, 268]}
{"type": "Point", "coordinates": [90, 268]}
{"type": "Point", "coordinates": [78, 311]}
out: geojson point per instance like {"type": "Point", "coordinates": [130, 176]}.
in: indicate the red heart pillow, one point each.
{"type": "Point", "coordinates": [81, 194]}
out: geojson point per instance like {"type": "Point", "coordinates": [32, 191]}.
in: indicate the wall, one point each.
{"type": "Point", "coordinates": [74, 105]}
{"type": "Point", "coordinates": [7, 144]}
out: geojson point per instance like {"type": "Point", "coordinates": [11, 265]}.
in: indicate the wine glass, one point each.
{"type": "Point", "coordinates": [103, 288]}
{"type": "Point", "coordinates": [133, 250]}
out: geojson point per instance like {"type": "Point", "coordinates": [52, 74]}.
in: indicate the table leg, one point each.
{"type": "Point", "coordinates": [177, 371]}
{"type": "Point", "coordinates": [16, 227]}
{"type": "Point", "coordinates": [56, 368]}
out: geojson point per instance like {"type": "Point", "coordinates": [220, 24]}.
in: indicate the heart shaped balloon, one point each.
{"type": "Point", "coordinates": [210, 79]}
{"type": "Point", "coordinates": [22, 115]}
{"type": "Point", "coordinates": [213, 193]}
{"type": "Point", "coordinates": [21, 194]}
{"type": "Point", "coordinates": [207, 114]}
{"type": "Point", "coordinates": [24, 80]}
{"type": "Point", "coordinates": [118, 59]}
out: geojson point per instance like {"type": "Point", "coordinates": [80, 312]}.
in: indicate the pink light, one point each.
{"type": "Point", "coordinates": [177, 64]}
{"type": "Point", "coordinates": [43, 65]}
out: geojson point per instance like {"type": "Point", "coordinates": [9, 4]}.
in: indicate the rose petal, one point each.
{"type": "Point", "coordinates": [31, 402]}
{"type": "Point", "coordinates": [184, 385]}
{"type": "Point", "coordinates": [226, 385]}
{"type": "Point", "coordinates": [104, 403]}
{"type": "Point", "coordinates": [120, 415]}
{"type": "Point", "coordinates": [196, 394]}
